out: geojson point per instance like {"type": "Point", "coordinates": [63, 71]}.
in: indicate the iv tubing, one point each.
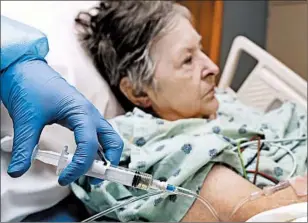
{"type": "Point", "coordinates": [111, 209]}
{"type": "Point", "coordinates": [255, 195]}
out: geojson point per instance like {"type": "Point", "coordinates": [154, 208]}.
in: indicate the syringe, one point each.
{"type": "Point", "coordinates": [109, 172]}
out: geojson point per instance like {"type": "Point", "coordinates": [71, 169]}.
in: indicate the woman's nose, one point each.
{"type": "Point", "coordinates": [209, 68]}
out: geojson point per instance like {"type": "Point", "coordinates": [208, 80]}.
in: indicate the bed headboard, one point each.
{"type": "Point", "coordinates": [270, 83]}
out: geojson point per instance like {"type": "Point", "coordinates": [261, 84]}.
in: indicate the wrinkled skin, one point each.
{"type": "Point", "coordinates": [185, 76]}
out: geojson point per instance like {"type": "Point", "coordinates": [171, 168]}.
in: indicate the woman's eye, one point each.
{"type": "Point", "coordinates": [188, 60]}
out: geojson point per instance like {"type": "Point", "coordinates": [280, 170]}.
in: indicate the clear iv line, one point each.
{"type": "Point", "coordinates": [150, 194]}
{"type": "Point", "coordinates": [117, 206]}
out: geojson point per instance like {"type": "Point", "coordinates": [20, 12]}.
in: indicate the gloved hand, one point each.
{"type": "Point", "coordinates": [35, 95]}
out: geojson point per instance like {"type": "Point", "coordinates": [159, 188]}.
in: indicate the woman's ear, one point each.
{"type": "Point", "coordinates": [127, 89]}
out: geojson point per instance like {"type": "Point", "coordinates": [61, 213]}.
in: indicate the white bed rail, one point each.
{"type": "Point", "coordinates": [269, 82]}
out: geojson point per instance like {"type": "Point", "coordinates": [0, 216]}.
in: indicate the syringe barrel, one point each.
{"type": "Point", "coordinates": [111, 173]}
{"type": "Point", "coordinates": [128, 177]}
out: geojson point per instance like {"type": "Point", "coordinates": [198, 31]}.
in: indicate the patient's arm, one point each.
{"type": "Point", "coordinates": [224, 189]}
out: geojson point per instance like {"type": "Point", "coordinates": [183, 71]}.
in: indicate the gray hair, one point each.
{"type": "Point", "coordinates": [118, 36]}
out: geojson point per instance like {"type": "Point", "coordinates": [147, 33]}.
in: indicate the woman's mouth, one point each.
{"type": "Point", "coordinates": [210, 93]}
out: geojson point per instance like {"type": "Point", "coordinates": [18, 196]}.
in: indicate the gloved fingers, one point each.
{"type": "Point", "coordinates": [110, 141]}
{"type": "Point", "coordinates": [95, 181]}
{"type": "Point", "coordinates": [112, 144]}
{"type": "Point", "coordinates": [26, 137]}
{"type": "Point", "coordinates": [87, 146]}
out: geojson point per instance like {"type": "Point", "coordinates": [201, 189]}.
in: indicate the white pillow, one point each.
{"type": "Point", "coordinates": [56, 20]}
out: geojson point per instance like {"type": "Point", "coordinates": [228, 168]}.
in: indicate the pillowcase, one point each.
{"type": "Point", "coordinates": [66, 56]}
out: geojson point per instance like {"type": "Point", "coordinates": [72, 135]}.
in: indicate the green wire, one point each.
{"type": "Point", "coordinates": [241, 159]}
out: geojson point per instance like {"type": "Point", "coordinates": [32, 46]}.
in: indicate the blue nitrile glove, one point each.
{"type": "Point", "coordinates": [35, 95]}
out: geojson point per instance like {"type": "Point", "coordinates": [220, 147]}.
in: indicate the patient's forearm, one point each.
{"type": "Point", "coordinates": [224, 189]}
{"type": "Point", "coordinates": [281, 198]}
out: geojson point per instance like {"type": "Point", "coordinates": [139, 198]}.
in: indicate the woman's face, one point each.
{"type": "Point", "coordinates": [184, 76]}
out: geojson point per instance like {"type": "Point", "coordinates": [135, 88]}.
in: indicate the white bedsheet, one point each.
{"type": "Point", "coordinates": [290, 213]}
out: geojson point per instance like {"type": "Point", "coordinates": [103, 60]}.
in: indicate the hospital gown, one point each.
{"type": "Point", "coordinates": [183, 152]}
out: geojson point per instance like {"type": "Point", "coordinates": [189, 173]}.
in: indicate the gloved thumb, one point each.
{"type": "Point", "coordinates": [26, 137]}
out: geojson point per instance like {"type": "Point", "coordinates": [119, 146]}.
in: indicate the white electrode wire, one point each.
{"type": "Point", "coordinates": [293, 158]}
{"type": "Point", "coordinates": [270, 141]}
{"type": "Point", "coordinates": [280, 146]}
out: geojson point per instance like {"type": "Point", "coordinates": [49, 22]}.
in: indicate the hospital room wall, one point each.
{"type": "Point", "coordinates": [287, 34]}
{"type": "Point", "coordinates": [247, 18]}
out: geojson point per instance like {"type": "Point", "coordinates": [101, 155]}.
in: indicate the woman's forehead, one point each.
{"type": "Point", "coordinates": [180, 36]}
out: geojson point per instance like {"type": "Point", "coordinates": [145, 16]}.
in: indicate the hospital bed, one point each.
{"type": "Point", "coordinates": [266, 87]}
{"type": "Point", "coordinates": [269, 84]}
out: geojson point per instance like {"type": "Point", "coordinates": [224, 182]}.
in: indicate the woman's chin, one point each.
{"type": "Point", "coordinates": [211, 108]}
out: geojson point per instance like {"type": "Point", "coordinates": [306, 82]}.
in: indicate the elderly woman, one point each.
{"type": "Point", "coordinates": [183, 128]}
